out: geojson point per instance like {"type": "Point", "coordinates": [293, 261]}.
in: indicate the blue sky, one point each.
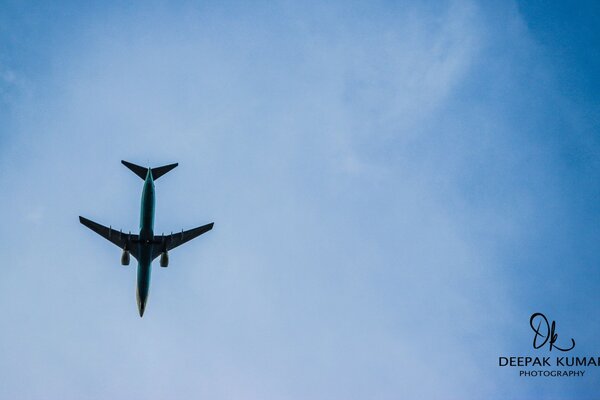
{"type": "Point", "coordinates": [396, 188]}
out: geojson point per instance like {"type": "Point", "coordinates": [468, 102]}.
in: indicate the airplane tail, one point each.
{"type": "Point", "coordinates": [143, 171]}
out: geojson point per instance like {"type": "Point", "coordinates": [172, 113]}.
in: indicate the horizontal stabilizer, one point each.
{"type": "Point", "coordinates": [139, 171]}
{"type": "Point", "coordinates": [160, 171]}
{"type": "Point", "coordinates": [143, 171]}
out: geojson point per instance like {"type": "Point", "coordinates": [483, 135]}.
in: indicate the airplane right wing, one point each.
{"type": "Point", "coordinates": [126, 241]}
{"type": "Point", "coordinates": [169, 242]}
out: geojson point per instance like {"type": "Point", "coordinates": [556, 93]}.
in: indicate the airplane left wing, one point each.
{"type": "Point", "coordinates": [125, 241]}
{"type": "Point", "coordinates": [168, 242]}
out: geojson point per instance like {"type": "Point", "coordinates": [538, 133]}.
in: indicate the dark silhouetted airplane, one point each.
{"type": "Point", "coordinates": [146, 246]}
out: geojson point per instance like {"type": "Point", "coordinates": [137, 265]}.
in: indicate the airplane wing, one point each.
{"type": "Point", "coordinates": [123, 240]}
{"type": "Point", "coordinates": [168, 242]}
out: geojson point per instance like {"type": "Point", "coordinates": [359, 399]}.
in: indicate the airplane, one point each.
{"type": "Point", "coordinates": [146, 246]}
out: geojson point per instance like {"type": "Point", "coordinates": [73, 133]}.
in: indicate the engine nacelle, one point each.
{"type": "Point", "coordinates": [164, 259]}
{"type": "Point", "coordinates": [125, 257]}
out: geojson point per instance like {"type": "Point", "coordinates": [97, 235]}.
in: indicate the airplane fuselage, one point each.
{"type": "Point", "coordinates": [146, 238]}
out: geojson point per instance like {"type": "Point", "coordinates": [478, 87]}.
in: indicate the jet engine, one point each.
{"type": "Point", "coordinates": [125, 257]}
{"type": "Point", "coordinates": [164, 259]}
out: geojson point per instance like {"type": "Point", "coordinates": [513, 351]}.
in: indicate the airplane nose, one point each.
{"type": "Point", "coordinates": [141, 300]}
{"type": "Point", "coordinates": [143, 284]}
{"type": "Point", "coordinates": [141, 308]}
